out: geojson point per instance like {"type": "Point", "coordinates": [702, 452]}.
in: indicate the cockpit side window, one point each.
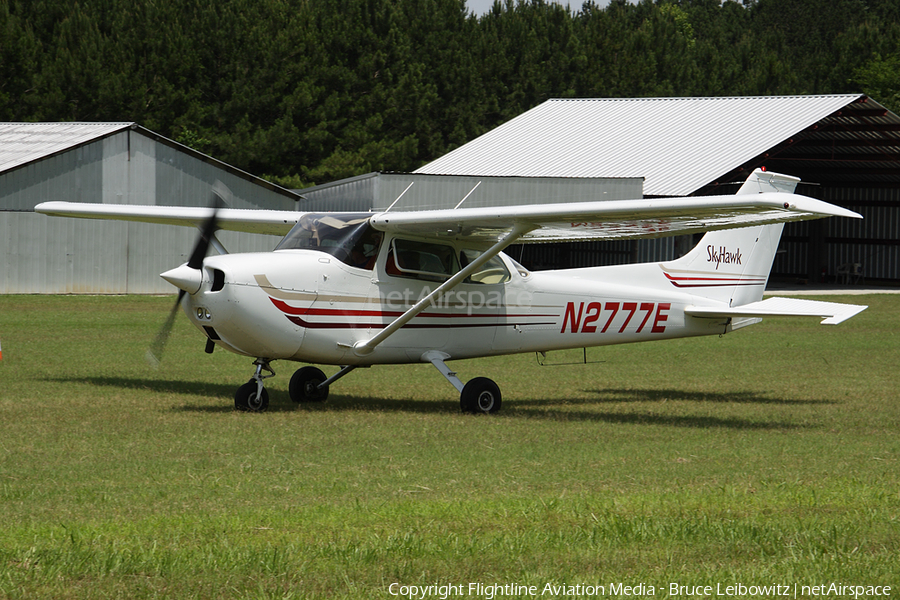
{"type": "Point", "coordinates": [346, 236]}
{"type": "Point", "coordinates": [365, 251]}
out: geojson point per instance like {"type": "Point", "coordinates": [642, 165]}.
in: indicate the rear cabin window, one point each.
{"type": "Point", "coordinates": [493, 271]}
{"type": "Point", "coordinates": [421, 260]}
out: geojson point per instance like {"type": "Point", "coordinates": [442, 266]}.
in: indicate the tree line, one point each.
{"type": "Point", "coordinates": [311, 91]}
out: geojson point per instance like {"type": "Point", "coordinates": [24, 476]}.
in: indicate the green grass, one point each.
{"type": "Point", "coordinates": [767, 456]}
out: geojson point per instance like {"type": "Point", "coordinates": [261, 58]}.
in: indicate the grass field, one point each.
{"type": "Point", "coordinates": [766, 457]}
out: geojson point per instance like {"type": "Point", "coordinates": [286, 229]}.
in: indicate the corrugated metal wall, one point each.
{"type": "Point", "coordinates": [568, 255]}
{"type": "Point", "coordinates": [431, 192]}
{"type": "Point", "coordinates": [50, 255]}
{"type": "Point", "coordinates": [45, 255]}
{"type": "Point", "coordinates": [356, 194]}
{"type": "Point", "coordinates": [75, 176]}
{"type": "Point", "coordinates": [378, 191]}
{"type": "Point", "coordinates": [873, 242]}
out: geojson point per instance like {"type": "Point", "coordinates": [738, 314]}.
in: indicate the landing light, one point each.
{"type": "Point", "coordinates": [203, 313]}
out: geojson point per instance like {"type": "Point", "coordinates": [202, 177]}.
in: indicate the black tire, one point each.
{"type": "Point", "coordinates": [303, 385]}
{"type": "Point", "coordinates": [480, 395]}
{"type": "Point", "coordinates": [245, 398]}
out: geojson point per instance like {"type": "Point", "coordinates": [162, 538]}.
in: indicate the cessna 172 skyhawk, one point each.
{"type": "Point", "coordinates": [360, 289]}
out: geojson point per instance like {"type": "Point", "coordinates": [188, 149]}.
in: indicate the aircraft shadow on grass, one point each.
{"type": "Point", "coordinates": [612, 395]}
{"type": "Point", "coordinates": [192, 388]}
{"type": "Point", "coordinates": [519, 408]}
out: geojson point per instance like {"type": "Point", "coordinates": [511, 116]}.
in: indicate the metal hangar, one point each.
{"type": "Point", "coordinates": [113, 163]}
{"type": "Point", "coordinates": [845, 148]}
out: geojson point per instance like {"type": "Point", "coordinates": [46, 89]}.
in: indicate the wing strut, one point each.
{"type": "Point", "coordinates": [364, 347]}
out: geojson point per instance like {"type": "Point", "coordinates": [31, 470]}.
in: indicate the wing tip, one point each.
{"type": "Point", "coordinates": [847, 311]}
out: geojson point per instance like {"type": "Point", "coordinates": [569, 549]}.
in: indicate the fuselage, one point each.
{"type": "Point", "coordinates": [314, 306]}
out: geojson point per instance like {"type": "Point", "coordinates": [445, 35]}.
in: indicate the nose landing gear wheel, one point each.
{"type": "Point", "coordinates": [247, 398]}
{"type": "Point", "coordinates": [252, 396]}
{"type": "Point", "coordinates": [303, 385]}
{"type": "Point", "coordinates": [480, 395]}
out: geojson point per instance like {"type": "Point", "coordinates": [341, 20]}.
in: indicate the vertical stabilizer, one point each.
{"type": "Point", "coordinates": [733, 265]}
{"type": "Point", "coordinates": [764, 181]}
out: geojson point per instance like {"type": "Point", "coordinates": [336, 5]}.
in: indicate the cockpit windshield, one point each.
{"type": "Point", "coordinates": [348, 237]}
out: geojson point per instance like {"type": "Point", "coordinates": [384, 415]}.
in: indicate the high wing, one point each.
{"type": "Point", "coordinates": [604, 220]}
{"type": "Point", "coordinates": [610, 220]}
{"type": "Point", "coordinates": [273, 222]}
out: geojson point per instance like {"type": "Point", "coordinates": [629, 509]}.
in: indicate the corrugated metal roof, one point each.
{"type": "Point", "coordinates": [677, 144]}
{"type": "Point", "coordinates": [22, 143]}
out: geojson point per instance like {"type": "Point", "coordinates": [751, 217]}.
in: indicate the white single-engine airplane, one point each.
{"type": "Point", "coordinates": [360, 289]}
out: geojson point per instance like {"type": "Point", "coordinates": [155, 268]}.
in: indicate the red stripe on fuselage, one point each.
{"type": "Point", "coordinates": [294, 314]}
{"type": "Point", "coordinates": [683, 282]}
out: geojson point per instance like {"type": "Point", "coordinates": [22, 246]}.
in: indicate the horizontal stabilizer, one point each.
{"type": "Point", "coordinates": [832, 312]}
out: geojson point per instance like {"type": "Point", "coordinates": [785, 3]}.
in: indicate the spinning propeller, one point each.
{"type": "Point", "coordinates": [188, 277]}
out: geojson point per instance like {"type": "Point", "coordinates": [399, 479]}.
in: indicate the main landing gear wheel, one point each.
{"type": "Point", "coordinates": [303, 385]}
{"type": "Point", "coordinates": [480, 395]}
{"type": "Point", "coordinates": [249, 399]}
